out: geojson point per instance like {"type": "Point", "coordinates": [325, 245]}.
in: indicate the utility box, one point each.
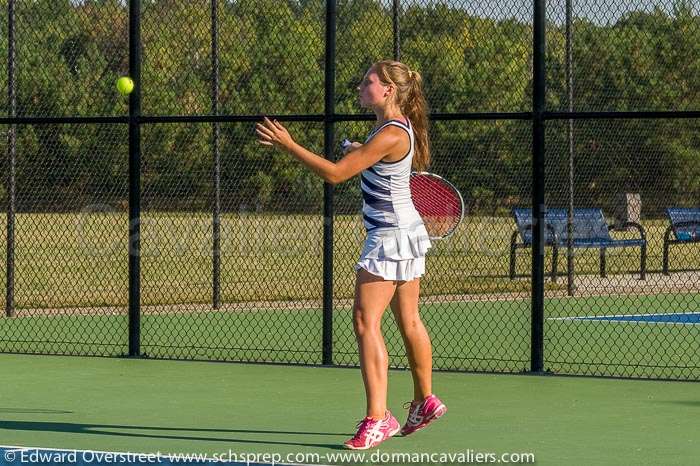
{"type": "Point", "coordinates": [628, 208]}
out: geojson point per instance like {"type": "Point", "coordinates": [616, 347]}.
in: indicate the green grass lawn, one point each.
{"type": "Point", "coordinates": [69, 260]}
{"type": "Point", "coordinates": [66, 260]}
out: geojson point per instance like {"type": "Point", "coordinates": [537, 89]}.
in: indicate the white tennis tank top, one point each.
{"type": "Point", "coordinates": [386, 192]}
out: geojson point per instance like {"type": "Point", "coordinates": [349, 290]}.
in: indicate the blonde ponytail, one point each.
{"type": "Point", "coordinates": [411, 100]}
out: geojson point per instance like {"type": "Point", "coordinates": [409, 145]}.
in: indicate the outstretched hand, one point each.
{"type": "Point", "coordinates": [272, 133]}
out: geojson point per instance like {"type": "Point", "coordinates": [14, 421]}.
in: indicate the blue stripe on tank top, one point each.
{"type": "Point", "coordinates": [377, 203]}
{"type": "Point", "coordinates": [387, 123]}
{"type": "Point", "coordinates": [377, 223]}
{"type": "Point", "coordinates": [374, 187]}
{"type": "Point", "coordinates": [386, 177]}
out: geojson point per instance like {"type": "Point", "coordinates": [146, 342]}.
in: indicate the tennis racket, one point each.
{"type": "Point", "coordinates": [438, 202]}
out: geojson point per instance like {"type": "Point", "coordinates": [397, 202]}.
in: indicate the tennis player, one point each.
{"type": "Point", "coordinates": [393, 257]}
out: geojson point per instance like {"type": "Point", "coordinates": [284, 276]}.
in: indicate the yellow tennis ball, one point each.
{"type": "Point", "coordinates": [125, 85]}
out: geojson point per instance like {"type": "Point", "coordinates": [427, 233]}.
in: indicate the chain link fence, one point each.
{"type": "Point", "coordinates": [621, 314]}
{"type": "Point", "coordinates": [238, 257]}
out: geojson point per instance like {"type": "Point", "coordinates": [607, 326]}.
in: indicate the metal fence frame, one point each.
{"type": "Point", "coordinates": [538, 116]}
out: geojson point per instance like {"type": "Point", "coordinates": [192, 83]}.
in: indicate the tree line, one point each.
{"type": "Point", "coordinates": [271, 61]}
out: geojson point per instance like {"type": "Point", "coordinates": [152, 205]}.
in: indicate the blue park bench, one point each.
{"type": "Point", "coordinates": [590, 231]}
{"type": "Point", "coordinates": [685, 226]}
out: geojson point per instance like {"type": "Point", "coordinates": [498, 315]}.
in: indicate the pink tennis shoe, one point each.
{"type": "Point", "coordinates": [372, 432]}
{"type": "Point", "coordinates": [422, 413]}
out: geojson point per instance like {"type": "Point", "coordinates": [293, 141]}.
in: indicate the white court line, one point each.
{"type": "Point", "coordinates": [607, 318]}
{"type": "Point", "coordinates": [164, 456]}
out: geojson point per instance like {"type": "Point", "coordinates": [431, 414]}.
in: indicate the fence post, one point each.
{"type": "Point", "coordinates": [328, 189]}
{"type": "Point", "coordinates": [570, 286]}
{"type": "Point", "coordinates": [216, 247]}
{"type": "Point", "coordinates": [135, 179]}
{"type": "Point", "coordinates": [396, 29]}
{"type": "Point", "coordinates": [11, 158]}
{"type": "Point", "coordinates": [538, 188]}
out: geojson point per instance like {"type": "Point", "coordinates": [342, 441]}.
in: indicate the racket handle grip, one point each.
{"type": "Point", "coordinates": [345, 144]}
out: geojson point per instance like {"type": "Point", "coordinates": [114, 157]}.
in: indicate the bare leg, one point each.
{"type": "Point", "coordinates": [404, 305]}
{"type": "Point", "coordinates": [372, 296]}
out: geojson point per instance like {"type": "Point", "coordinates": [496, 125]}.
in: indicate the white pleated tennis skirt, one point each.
{"type": "Point", "coordinates": [395, 253]}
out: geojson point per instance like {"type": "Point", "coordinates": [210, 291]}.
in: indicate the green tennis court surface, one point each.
{"type": "Point", "coordinates": [470, 335]}
{"type": "Point", "coordinates": [124, 405]}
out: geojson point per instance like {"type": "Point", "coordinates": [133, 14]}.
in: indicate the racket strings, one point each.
{"type": "Point", "coordinates": [437, 202]}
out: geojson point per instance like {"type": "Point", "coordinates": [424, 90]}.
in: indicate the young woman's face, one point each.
{"type": "Point", "coordinates": [372, 91]}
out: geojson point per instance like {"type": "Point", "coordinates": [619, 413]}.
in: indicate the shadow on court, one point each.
{"type": "Point", "coordinates": [102, 429]}
{"type": "Point", "coordinates": [690, 403]}
{"type": "Point", "coordinates": [33, 411]}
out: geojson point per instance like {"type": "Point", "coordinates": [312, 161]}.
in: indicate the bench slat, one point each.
{"type": "Point", "coordinates": [589, 226]}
